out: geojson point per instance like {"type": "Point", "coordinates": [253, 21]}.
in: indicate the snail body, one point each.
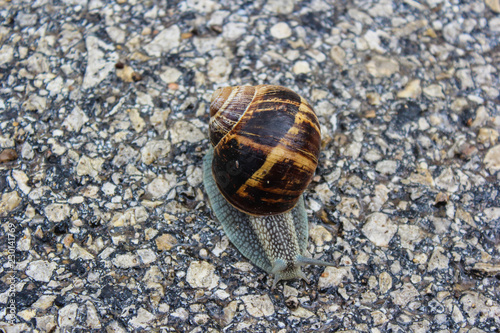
{"type": "Point", "coordinates": [266, 142]}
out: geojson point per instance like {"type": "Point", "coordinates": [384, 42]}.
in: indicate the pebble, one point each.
{"type": "Point", "coordinates": [181, 314]}
{"type": "Point", "coordinates": [379, 318]}
{"type": "Point", "coordinates": [492, 214]}
{"type": "Point", "coordinates": [281, 30]}
{"type": "Point", "coordinates": [338, 55]}
{"type": "Point", "coordinates": [387, 167]}
{"type": "Point", "coordinates": [379, 229]}
{"type": "Point", "coordinates": [349, 206]}
{"type": "Point", "coordinates": [108, 189]}
{"type": "Point", "coordinates": [422, 177]}
{"type": "Point", "coordinates": [100, 61]}
{"type": "Point", "coordinates": [115, 327]}
{"type": "Point", "coordinates": [147, 256]}
{"type": "Point", "coordinates": [451, 31]}
{"type": "Point", "coordinates": [323, 191]}
{"type": "Point", "coordinates": [126, 74]}
{"type": "Point", "coordinates": [160, 187]}
{"type": "Point", "coordinates": [446, 181]}
{"type": "Point", "coordinates": [440, 225]}
{"type": "Point", "coordinates": [92, 317]}
{"type": "Point", "coordinates": [411, 90]}
{"type": "Point", "coordinates": [138, 123]}
{"type": "Point", "coordinates": [404, 295]}
{"type": "Point", "coordinates": [201, 274]}
{"type": "Point", "coordinates": [384, 282]}
{"type": "Point", "coordinates": [41, 270]}
{"type": "Point", "coordinates": [373, 98]}
{"type": "Point", "coordinates": [258, 305]}
{"type": "Point", "coordinates": [9, 202]}
{"type": "Point", "coordinates": [130, 217]}
{"type": "Point", "coordinates": [165, 242]}
{"type": "Point", "coordinates": [89, 166]}
{"type": "Point", "coordinates": [153, 150]}
{"type": "Point", "coordinates": [26, 19]}
{"type": "Point", "coordinates": [434, 91]}
{"type": "Point", "coordinates": [491, 159]}
{"type": "Point", "coordinates": [483, 75]}
{"type": "Point", "coordinates": [438, 260]}
{"type": "Point", "coordinates": [353, 150]}
{"type": "Point", "coordinates": [229, 312]}
{"type": "Point", "coordinates": [316, 55]}
{"type": "Point", "coordinates": [372, 155]}
{"type": "Point", "coordinates": [203, 6]}
{"type": "Point", "coordinates": [478, 307]}
{"type": "Point", "coordinates": [409, 235]}
{"type": "Point", "coordinates": [481, 117]}
{"type": "Point", "coordinates": [37, 64]}
{"type": "Point", "coordinates": [75, 120]}
{"type": "Point", "coordinates": [8, 155]}
{"type": "Point", "coordinates": [319, 235]}
{"type": "Point", "coordinates": [57, 212]}
{"type": "Point", "coordinates": [165, 41]}
{"type": "Point", "coordinates": [381, 66]}
{"type": "Point", "coordinates": [494, 5]}
{"type": "Point", "coordinates": [194, 176]}
{"type": "Point", "coordinates": [185, 131]}
{"type": "Point", "coordinates": [6, 54]}
{"type": "Point", "coordinates": [280, 6]}
{"type": "Point", "coordinates": [494, 24]}
{"type": "Point", "coordinates": [234, 31]}
{"type": "Point", "coordinates": [373, 40]}
{"type": "Point", "coordinates": [201, 319]}
{"type": "Point", "coordinates": [334, 276]}
{"type": "Point", "coordinates": [27, 151]}
{"type": "Point", "coordinates": [490, 269]}
{"type": "Point", "coordinates": [464, 75]}
{"type": "Point", "coordinates": [127, 260]}
{"type": "Point", "coordinates": [218, 69]}
{"type": "Point", "coordinates": [170, 74]}
{"type": "Point", "coordinates": [126, 155]}
{"type": "Point", "coordinates": [67, 315]}
{"type": "Point", "coordinates": [380, 197]}
{"type": "Point", "coordinates": [78, 252]}
{"type": "Point", "coordinates": [487, 136]}
{"type": "Point", "coordinates": [142, 319]}
{"type": "Point", "coordinates": [301, 67]}
{"type": "Point", "coordinates": [44, 302]}
{"type": "Point", "coordinates": [116, 34]}
{"type": "Point", "coordinates": [300, 312]}
{"type": "Point", "coordinates": [46, 323]}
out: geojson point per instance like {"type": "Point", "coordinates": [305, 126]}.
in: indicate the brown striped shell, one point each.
{"type": "Point", "coordinates": [266, 146]}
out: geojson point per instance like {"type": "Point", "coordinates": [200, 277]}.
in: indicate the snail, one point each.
{"type": "Point", "coordinates": [265, 147]}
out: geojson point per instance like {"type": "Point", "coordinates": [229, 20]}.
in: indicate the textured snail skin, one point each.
{"type": "Point", "coordinates": [275, 242]}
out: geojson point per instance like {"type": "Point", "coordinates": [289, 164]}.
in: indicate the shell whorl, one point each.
{"type": "Point", "coordinates": [266, 145]}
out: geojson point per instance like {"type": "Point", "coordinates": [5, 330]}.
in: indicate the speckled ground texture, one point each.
{"type": "Point", "coordinates": [105, 226]}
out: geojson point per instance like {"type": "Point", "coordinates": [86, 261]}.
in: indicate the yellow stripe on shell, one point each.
{"type": "Point", "coordinates": [277, 153]}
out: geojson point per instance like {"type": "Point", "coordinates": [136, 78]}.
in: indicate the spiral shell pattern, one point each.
{"type": "Point", "coordinates": [266, 146]}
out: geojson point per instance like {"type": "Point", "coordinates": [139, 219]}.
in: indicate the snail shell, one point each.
{"type": "Point", "coordinates": [266, 142]}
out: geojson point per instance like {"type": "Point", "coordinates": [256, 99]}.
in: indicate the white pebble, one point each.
{"type": "Point", "coordinates": [379, 229]}
{"type": "Point", "coordinates": [301, 67]}
{"type": "Point", "coordinates": [41, 270]}
{"type": "Point", "coordinates": [201, 274]}
{"type": "Point", "coordinates": [281, 30]}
